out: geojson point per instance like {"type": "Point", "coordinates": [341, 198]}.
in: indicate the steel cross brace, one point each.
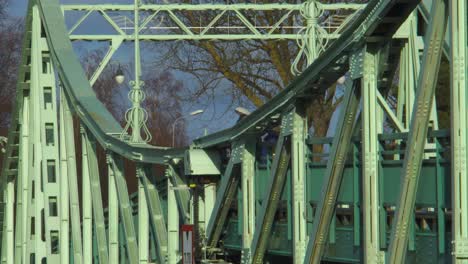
{"type": "Point", "coordinates": [275, 185]}
{"type": "Point", "coordinates": [157, 220]}
{"type": "Point", "coordinates": [418, 130]}
{"type": "Point", "coordinates": [189, 32]}
{"type": "Point", "coordinates": [334, 173]}
{"type": "Point", "coordinates": [225, 195]}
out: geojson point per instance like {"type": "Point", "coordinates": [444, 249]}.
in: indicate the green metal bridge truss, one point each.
{"type": "Point", "coordinates": [362, 202]}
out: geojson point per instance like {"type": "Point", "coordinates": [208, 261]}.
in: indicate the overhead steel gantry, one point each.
{"type": "Point", "coordinates": [43, 220]}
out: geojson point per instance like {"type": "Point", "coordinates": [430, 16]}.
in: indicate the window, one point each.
{"type": "Point", "coordinates": [53, 209]}
{"type": "Point", "coordinates": [51, 177]}
{"type": "Point", "coordinates": [49, 134]}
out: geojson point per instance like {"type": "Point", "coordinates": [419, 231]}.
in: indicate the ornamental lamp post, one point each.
{"type": "Point", "coordinates": [136, 117]}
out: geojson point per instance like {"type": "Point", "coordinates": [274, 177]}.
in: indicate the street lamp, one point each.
{"type": "Point", "coordinates": [242, 111]}
{"type": "Point", "coordinates": [194, 113]}
{"type": "Point", "coordinates": [119, 75]}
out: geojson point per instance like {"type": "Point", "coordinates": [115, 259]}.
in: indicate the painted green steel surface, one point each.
{"type": "Point", "coordinates": [274, 188]}
{"type": "Point", "coordinates": [343, 248]}
{"type": "Point", "coordinates": [458, 59]}
{"type": "Point", "coordinates": [419, 126]}
{"type": "Point", "coordinates": [333, 175]}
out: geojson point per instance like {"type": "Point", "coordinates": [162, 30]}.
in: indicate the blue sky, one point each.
{"type": "Point", "coordinates": [217, 116]}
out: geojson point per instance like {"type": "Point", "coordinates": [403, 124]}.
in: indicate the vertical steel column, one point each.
{"type": "Point", "coordinates": [16, 240]}
{"type": "Point", "coordinates": [298, 166]}
{"type": "Point", "coordinates": [333, 174]}
{"type": "Point", "coordinates": [418, 132]}
{"type": "Point", "coordinates": [370, 180]}
{"type": "Point", "coordinates": [125, 209]}
{"type": "Point", "coordinates": [64, 190]}
{"type": "Point", "coordinates": [279, 169]}
{"type": "Point", "coordinates": [248, 197]}
{"type": "Point", "coordinates": [113, 215]}
{"type": "Point", "coordinates": [45, 145]}
{"type": "Point", "coordinates": [459, 135]}
{"type": "Point", "coordinates": [22, 186]}
{"type": "Point", "coordinates": [72, 182]}
{"type": "Point", "coordinates": [143, 217]}
{"type": "Point", "coordinates": [209, 198]}
{"type": "Point", "coordinates": [95, 193]}
{"type": "Point", "coordinates": [412, 72]}
{"type": "Point", "coordinates": [156, 216]}
{"type": "Point", "coordinates": [38, 248]}
{"type": "Point", "coordinates": [172, 225]}
{"type": "Point", "coordinates": [87, 204]}
{"type": "Point", "coordinates": [401, 97]}
{"type": "Point", "coordinates": [8, 232]}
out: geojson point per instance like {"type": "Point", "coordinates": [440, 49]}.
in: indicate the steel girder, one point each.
{"type": "Point", "coordinates": [333, 174]}
{"type": "Point", "coordinates": [225, 195]}
{"type": "Point", "coordinates": [298, 182]}
{"type": "Point", "coordinates": [279, 169]}
{"type": "Point", "coordinates": [125, 208]}
{"type": "Point", "coordinates": [189, 31]}
{"type": "Point", "coordinates": [418, 131]}
{"type": "Point", "coordinates": [371, 115]}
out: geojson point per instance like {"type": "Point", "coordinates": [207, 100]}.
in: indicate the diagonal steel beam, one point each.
{"type": "Point", "coordinates": [79, 22]}
{"type": "Point", "coordinates": [157, 220]}
{"type": "Point", "coordinates": [333, 174]}
{"type": "Point", "coordinates": [418, 130]}
{"type": "Point", "coordinates": [389, 112]}
{"type": "Point", "coordinates": [225, 195]}
{"type": "Point", "coordinates": [112, 22]}
{"type": "Point", "coordinates": [279, 170]}
{"type": "Point", "coordinates": [125, 209]}
{"type": "Point", "coordinates": [114, 46]}
{"type": "Point", "coordinates": [182, 195]}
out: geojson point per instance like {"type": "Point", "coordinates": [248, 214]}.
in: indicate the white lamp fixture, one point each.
{"type": "Point", "coordinates": [242, 111]}
{"type": "Point", "coordinates": [197, 112]}
{"type": "Point", "coordinates": [119, 75]}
